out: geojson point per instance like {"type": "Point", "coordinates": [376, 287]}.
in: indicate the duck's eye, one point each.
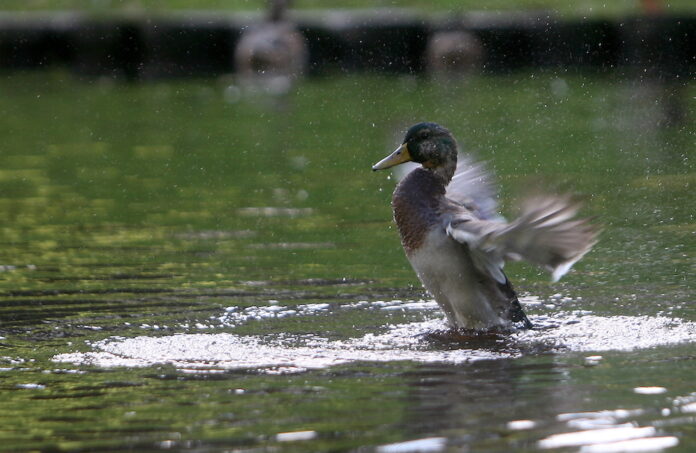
{"type": "Point", "coordinates": [424, 135]}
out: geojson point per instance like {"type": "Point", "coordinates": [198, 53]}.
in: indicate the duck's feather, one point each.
{"type": "Point", "coordinates": [545, 234]}
{"type": "Point", "coordinates": [472, 186]}
{"type": "Point", "coordinates": [470, 298]}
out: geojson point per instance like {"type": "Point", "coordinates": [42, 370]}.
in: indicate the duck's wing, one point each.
{"type": "Point", "coordinates": [546, 233]}
{"type": "Point", "coordinates": [473, 186]}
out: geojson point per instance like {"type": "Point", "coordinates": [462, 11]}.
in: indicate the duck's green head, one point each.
{"type": "Point", "coordinates": [428, 144]}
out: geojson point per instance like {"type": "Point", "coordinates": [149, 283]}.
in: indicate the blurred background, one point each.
{"type": "Point", "coordinates": [165, 166]}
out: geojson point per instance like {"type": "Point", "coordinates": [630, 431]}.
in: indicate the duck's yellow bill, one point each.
{"type": "Point", "coordinates": [399, 156]}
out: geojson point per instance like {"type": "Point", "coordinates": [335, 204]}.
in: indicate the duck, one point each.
{"type": "Point", "coordinates": [453, 53]}
{"type": "Point", "coordinates": [273, 52]}
{"type": "Point", "coordinates": [446, 215]}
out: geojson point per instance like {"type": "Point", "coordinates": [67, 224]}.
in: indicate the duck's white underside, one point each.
{"type": "Point", "coordinates": [447, 272]}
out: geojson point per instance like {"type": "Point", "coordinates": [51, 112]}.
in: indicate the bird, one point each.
{"type": "Point", "coordinates": [453, 53]}
{"type": "Point", "coordinates": [272, 53]}
{"type": "Point", "coordinates": [456, 242]}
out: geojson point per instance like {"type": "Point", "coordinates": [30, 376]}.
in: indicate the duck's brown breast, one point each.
{"type": "Point", "coordinates": [416, 204]}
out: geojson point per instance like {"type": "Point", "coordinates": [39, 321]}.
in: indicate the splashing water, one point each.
{"type": "Point", "coordinates": [423, 341]}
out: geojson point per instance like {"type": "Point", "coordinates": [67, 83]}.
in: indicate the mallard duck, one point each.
{"type": "Point", "coordinates": [451, 53]}
{"type": "Point", "coordinates": [457, 243]}
{"type": "Point", "coordinates": [272, 52]}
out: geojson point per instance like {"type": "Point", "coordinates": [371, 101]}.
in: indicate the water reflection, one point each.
{"type": "Point", "coordinates": [481, 406]}
{"type": "Point", "coordinates": [452, 399]}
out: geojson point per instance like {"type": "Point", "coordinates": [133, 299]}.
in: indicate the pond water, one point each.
{"type": "Point", "coordinates": [187, 266]}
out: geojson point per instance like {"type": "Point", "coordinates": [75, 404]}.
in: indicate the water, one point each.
{"type": "Point", "coordinates": [182, 269]}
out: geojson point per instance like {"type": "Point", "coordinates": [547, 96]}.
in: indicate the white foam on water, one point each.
{"type": "Point", "coordinates": [615, 333]}
{"type": "Point", "coordinates": [235, 316]}
{"type": "Point", "coordinates": [228, 351]}
{"type": "Point", "coordinates": [570, 331]}
{"type": "Point", "coordinates": [400, 342]}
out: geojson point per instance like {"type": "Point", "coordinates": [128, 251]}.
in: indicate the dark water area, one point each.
{"type": "Point", "coordinates": [188, 266]}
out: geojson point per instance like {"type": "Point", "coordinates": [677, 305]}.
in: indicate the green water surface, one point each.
{"type": "Point", "coordinates": [147, 209]}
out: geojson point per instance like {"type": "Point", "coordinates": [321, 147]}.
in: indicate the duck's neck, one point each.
{"type": "Point", "coordinates": [277, 10]}
{"type": "Point", "coordinates": [445, 169]}
{"type": "Point", "coordinates": [444, 174]}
